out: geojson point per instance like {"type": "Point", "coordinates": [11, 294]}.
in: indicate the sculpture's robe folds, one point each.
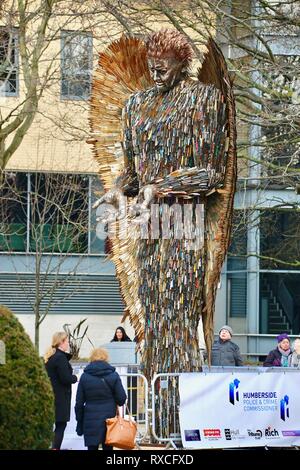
{"type": "Point", "coordinates": [181, 129]}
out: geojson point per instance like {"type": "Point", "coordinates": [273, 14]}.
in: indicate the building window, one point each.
{"type": "Point", "coordinates": [237, 294]}
{"type": "Point", "coordinates": [280, 239]}
{"type": "Point", "coordinates": [279, 303]}
{"type": "Point", "coordinates": [76, 65]}
{"type": "Point", "coordinates": [13, 212]}
{"type": "Point", "coordinates": [8, 63]}
{"type": "Point", "coordinates": [237, 252]}
{"type": "Point", "coordinates": [48, 213]}
{"type": "Point", "coordinates": [280, 145]}
{"type": "Point", "coordinates": [59, 213]}
{"type": "Point", "coordinates": [98, 238]}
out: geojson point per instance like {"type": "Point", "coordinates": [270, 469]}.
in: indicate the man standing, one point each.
{"type": "Point", "coordinates": [224, 351]}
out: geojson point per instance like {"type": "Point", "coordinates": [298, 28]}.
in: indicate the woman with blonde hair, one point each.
{"type": "Point", "coordinates": [61, 375]}
{"type": "Point", "coordinates": [99, 392]}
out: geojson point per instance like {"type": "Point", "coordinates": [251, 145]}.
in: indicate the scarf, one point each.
{"type": "Point", "coordinates": [284, 356]}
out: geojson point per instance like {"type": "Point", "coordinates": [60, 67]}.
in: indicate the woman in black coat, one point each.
{"type": "Point", "coordinates": [60, 373]}
{"type": "Point", "coordinates": [99, 392]}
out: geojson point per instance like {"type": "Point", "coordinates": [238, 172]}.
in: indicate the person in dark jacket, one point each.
{"type": "Point", "coordinates": [60, 373]}
{"type": "Point", "coordinates": [224, 351]}
{"type": "Point", "coordinates": [120, 335]}
{"type": "Point", "coordinates": [99, 392]}
{"type": "Point", "coordinates": [280, 357]}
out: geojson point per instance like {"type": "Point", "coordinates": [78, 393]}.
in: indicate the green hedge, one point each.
{"type": "Point", "coordinates": [26, 397]}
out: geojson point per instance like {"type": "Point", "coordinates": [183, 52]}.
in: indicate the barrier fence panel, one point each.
{"type": "Point", "coordinates": [165, 408]}
{"type": "Point", "coordinates": [137, 402]}
{"type": "Point", "coordinates": [227, 407]}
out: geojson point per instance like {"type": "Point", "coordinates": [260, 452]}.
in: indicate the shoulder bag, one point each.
{"type": "Point", "coordinates": [121, 432]}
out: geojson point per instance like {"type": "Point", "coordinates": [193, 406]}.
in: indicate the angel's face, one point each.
{"type": "Point", "coordinates": [165, 72]}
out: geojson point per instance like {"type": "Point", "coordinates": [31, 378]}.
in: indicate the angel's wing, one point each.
{"type": "Point", "coordinates": [122, 70]}
{"type": "Point", "coordinates": [220, 204]}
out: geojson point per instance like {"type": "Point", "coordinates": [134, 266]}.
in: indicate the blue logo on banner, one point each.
{"type": "Point", "coordinates": [284, 408]}
{"type": "Point", "coordinates": [233, 391]}
{"type": "Point", "coordinates": [192, 435]}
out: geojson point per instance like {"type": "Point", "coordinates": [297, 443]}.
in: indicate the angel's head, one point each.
{"type": "Point", "coordinates": [169, 57]}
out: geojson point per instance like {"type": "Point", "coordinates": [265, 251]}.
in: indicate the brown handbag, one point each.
{"type": "Point", "coordinates": [121, 432]}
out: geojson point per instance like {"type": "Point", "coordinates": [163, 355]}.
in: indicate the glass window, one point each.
{"type": "Point", "coordinates": [59, 213]}
{"type": "Point", "coordinates": [8, 63]}
{"type": "Point", "coordinates": [237, 294]}
{"type": "Point", "coordinates": [237, 252]}
{"type": "Point", "coordinates": [98, 237]}
{"type": "Point", "coordinates": [280, 239]}
{"type": "Point", "coordinates": [280, 143]}
{"type": "Point", "coordinates": [13, 207]}
{"type": "Point", "coordinates": [279, 303]}
{"type": "Point", "coordinates": [76, 65]}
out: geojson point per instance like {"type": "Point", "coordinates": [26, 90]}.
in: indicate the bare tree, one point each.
{"type": "Point", "coordinates": [28, 30]}
{"type": "Point", "coordinates": [55, 227]}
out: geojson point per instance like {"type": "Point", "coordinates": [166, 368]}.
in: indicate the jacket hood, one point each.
{"type": "Point", "coordinates": [99, 368]}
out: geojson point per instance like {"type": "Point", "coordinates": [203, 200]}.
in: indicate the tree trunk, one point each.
{"type": "Point", "coordinates": [37, 329]}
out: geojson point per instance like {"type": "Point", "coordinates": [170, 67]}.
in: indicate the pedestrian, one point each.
{"type": "Point", "coordinates": [61, 376]}
{"type": "Point", "coordinates": [224, 351]}
{"type": "Point", "coordinates": [99, 392]}
{"type": "Point", "coordinates": [295, 356]}
{"type": "Point", "coordinates": [280, 357]}
{"type": "Point", "coordinates": [120, 335]}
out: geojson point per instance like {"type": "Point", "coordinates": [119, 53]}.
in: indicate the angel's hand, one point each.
{"type": "Point", "coordinates": [140, 212]}
{"type": "Point", "coordinates": [114, 206]}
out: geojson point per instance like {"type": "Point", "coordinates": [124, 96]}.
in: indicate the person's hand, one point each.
{"type": "Point", "coordinates": [140, 212]}
{"type": "Point", "coordinates": [115, 208]}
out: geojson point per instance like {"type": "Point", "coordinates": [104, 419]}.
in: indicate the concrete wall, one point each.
{"type": "Point", "coordinates": [101, 329]}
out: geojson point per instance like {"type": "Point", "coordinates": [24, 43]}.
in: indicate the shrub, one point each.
{"type": "Point", "coordinates": [26, 397]}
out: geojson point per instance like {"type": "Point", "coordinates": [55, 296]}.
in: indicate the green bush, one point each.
{"type": "Point", "coordinates": [26, 397]}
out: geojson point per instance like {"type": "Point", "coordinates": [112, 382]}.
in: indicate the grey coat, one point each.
{"type": "Point", "coordinates": [294, 360]}
{"type": "Point", "coordinates": [225, 353]}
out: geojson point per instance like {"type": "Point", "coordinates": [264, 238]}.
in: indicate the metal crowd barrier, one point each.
{"type": "Point", "coordinates": [138, 402]}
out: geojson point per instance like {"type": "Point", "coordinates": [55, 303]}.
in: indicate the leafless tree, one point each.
{"type": "Point", "coordinates": [54, 227]}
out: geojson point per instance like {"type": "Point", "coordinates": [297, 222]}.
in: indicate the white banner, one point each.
{"type": "Point", "coordinates": [219, 410]}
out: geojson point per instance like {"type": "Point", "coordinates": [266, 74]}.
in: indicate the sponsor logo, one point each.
{"type": "Point", "coordinates": [231, 434]}
{"type": "Point", "coordinates": [269, 432]}
{"type": "Point", "coordinates": [284, 408]}
{"type": "Point", "coordinates": [212, 433]}
{"type": "Point", "coordinates": [256, 434]}
{"type": "Point", "coordinates": [293, 432]}
{"type": "Point", "coordinates": [234, 391]}
{"type": "Point", "coordinates": [192, 435]}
